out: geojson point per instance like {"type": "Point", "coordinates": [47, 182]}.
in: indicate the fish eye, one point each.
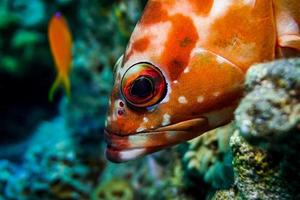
{"type": "Point", "coordinates": [143, 85]}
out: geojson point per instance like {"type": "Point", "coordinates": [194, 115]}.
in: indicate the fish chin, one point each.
{"type": "Point", "coordinates": [122, 148]}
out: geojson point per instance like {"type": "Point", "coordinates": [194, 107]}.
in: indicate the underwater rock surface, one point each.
{"type": "Point", "coordinates": [266, 141]}
{"type": "Point", "coordinates": [271, 108]}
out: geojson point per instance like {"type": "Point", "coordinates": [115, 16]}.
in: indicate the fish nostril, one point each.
{"type": "Point", "coordinates": [120, 112]}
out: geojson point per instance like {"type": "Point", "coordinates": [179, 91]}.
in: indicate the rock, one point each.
{"type": "Point", "coordinates": [271, 109]}
{"type": "Point", "coordinates": [266, 143]}
{"type": "Point", "coordinates": [258, 174]}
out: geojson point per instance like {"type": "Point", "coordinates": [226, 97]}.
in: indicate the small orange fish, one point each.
{"type": "Point", "coordinates": [183, 71]}
{"type": "Point", "coordinates": [60, 40]}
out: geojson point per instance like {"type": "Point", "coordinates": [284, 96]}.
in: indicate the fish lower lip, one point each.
{"type": "Point", "coordinates": [118, 156]}
{"type": "Point", "coordinates": [127, 147]}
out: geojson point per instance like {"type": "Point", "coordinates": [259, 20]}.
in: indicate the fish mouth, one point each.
{"type": "Point", "coordinates": [122, 148]}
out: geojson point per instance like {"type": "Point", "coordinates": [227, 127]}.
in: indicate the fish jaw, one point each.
{"type": "Point", "coordinates": [123, 148]}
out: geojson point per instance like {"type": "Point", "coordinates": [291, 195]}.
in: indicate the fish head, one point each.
{"type": "Point", "coordinates": [167, 89]}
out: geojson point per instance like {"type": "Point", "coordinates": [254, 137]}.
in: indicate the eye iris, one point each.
{"type": "Point", "coordinates": [142, 87]}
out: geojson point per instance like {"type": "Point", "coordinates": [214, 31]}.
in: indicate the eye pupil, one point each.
{"type": "Point", "coordinates": [142, 87]}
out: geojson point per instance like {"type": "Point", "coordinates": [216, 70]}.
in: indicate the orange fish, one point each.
{"type": "Point", "coordinates": [183, 71]}
{"type": "Point", "coordinates": [60, 40]}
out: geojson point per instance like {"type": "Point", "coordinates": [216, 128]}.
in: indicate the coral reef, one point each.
{"type": "Point", "coordinates": [267, 135]}
{"type": "Point", "coordinates": [115, 189]}
{"type": "Point", "coordinates": [258, 173]}
{"type": "Point", "coordinates": [67, 175]}
{"type": "Point", "coordinates": [209, 157]}
{"type": "Point", "coordinates": [148, 177]}
{"type": "Point", "coordinates": [22, 36]}
{"type": "Point", "coordinates": [271, 108]}
{"type": "Point", "coordinates": [7, 172]}
{"type": "Point", "coordinates": [51, 170]}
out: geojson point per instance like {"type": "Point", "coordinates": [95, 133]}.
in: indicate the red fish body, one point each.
{"type": "Point", "coordinates": [182, 73]}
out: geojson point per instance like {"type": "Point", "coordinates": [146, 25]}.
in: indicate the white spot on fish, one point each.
{"type": "Point", "coordinates": [182, 100]}
{"type": "Point", "coordinates": [250, 3]}
{"type": "Point", "coordinates": [140, 129]}
{"type": "Point", "coordinates": [216, 94]}
{"type": "Point", "coordinates": [175, 82]}
{"type": "Point", "coordinates": [200, 99]}
{"type": "Point", "coordinates": [198, 51]}
{"type": "Point", "coordinates": [166, 120]}
{"type": "Point", "coordinates": [186, 70]}
{"type": "Point", "coordinates": [114, 117]}
{"type": "Point", "coordinates": [131, 154]}
{"type": "Point", "coordinates": [145, 119]}
{"type": "Point", "coordinates": [220, 7]}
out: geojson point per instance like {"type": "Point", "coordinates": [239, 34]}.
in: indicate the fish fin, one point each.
{"type": "Point", "coordinates": [291, 41]}
{"type": "Point", "coordinates": [67, 86]}
{"type": "Point", "coordinates": [60, 80]}
{"type": "Point", "coordinates": [287, 19]}
{"type": "Point", "coordinates": [54, 87]}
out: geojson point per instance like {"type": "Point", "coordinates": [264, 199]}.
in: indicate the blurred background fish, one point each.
{"type": "Point", "coordinates": [60, 40]}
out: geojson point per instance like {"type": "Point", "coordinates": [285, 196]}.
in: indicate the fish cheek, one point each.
{"type": "Point", "coordinates": [211, 83]}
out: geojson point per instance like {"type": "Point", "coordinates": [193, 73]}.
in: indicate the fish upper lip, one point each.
{"type": "Point", "coordinates": [180, 126]}
{"type": "Point", "coordinates": [123, 148]}
{"type": "Point", "coordinates": [182, 130]}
